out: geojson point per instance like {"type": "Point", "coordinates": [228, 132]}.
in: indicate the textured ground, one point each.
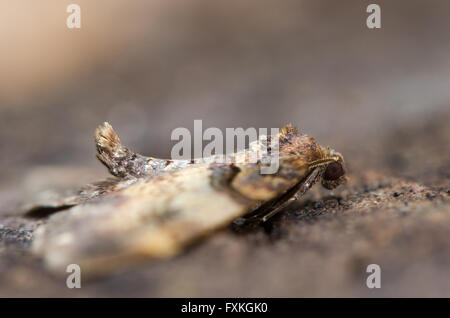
{"type": "Point", "coordinates": [319, 246]}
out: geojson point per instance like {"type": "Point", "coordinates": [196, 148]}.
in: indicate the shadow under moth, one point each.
{"type": "Point", "coordinates": [153, 208]}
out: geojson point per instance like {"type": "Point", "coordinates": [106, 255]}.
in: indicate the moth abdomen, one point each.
{"type": "Point", "coordinates": [120, 161]}
{"type": "Point", "coordinates": [110, 151]}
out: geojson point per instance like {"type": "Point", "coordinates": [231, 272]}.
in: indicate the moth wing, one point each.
{"type": "Point", "coordinates": [151, 218]}
{"type": "Point", "coordinates": [264, 187]}
{"type": "Point", "coordinates": [47, 202]}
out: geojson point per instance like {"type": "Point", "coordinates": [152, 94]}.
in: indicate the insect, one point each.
{"type": "Point", "coordinates": [153, 208]}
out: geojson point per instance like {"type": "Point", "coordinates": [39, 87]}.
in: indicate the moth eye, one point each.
{"type": "Point", "coordinates": [334, 171]}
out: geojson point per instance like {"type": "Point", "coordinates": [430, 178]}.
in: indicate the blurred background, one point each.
{"type": "Point", "coordinates": [379, 96]}
{"type": "Point", "coordinates": [148, 67]}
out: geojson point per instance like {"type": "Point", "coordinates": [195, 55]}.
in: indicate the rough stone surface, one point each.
{"type": "Point", "coordinates": [319, 246]}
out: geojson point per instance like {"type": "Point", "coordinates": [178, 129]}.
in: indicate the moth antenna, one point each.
{"type": "Point", "coordinates": [110, 150]}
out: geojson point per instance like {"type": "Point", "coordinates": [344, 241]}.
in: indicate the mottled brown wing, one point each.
{"type": "Point", "coordinates": [150, 218]}
{"type": "Point", "coordinates": [264, 187]}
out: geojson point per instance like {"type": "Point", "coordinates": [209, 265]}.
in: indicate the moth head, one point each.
{"type": "Point", "coordinates": [334, 173]}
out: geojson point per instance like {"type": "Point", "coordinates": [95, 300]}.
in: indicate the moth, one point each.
{"type": "Point", "coordinates": [154, 208]}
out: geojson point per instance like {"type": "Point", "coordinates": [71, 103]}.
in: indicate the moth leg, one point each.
{"type": "Point", "coordinates": [263, 214]}
{"type": "Point", "coordinates": [304, 186]}
{"type": "Point", "coordinates": [268, 215]}
{"type": "Point", "coordinates": [266, 211]}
